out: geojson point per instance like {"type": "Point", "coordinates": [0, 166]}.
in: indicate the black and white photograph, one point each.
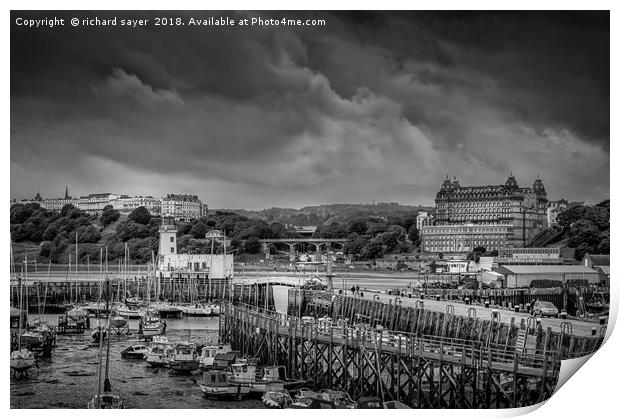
{"type": "Point", "coordinates": [306, 209]}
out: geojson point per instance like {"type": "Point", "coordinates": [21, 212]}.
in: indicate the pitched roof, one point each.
{"type": "Point", "coordinates": [545, 269]}
{"type": "Point", "coordinates": [599, 260]}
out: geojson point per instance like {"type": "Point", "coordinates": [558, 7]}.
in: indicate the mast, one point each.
{"type": "Point", "coordinates": [77, 262]}
{"type": "Point", "coordinates": [19, 330]}
{"type": "Point", "coordinates": [106, 383]}
{"type": "Point", "coordinates": [26, 284]}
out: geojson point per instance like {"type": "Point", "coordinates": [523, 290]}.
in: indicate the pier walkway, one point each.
{"type": "Point", "coordinates": [421, 371]}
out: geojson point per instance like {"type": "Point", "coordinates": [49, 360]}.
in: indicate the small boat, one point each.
{"type": "Point", "coordinates": [95, 309]}
{"type": "Point", "coordinates": [150, 324]}
{"type": "Point", "coordinates": [135, 351]}
{"type": "Point", "coordinates": [159, 352]}
{"type": "Point", "coordinates": [217, 384]}
{"type": "Point", "coordinates": [223, 362]}
{"type": "Point", "coordinates": [276, 397]}
{"type": "Point", "coordinates": [324, 399]}
{"type": "Point", "coordinates": [167, 310]}
{"type": "Point", "coordinates": [198, 310]}
{"type": "Point", "coordinates": [184, 358]}
{"type": "Point", "coordinates": [118, 321]}
{"type": "Point", "coordinates": [106, 401]}
{"type": "Point", "coordinates": [77, 314]}
{"type": "Point", "coordinates": [247, 373]}
{"type": "Point", "coordinates": [215, 309]}
{"type": "Point", "coordinates": [98, 333]}
{"type": "Point", "coordinates": [597, 303]}
{"type": "Point", "coordinates": [377, 403]}
{"type": "Point", "coordinates": [22, 360]}
{"type": "Point", "coordinates": [210, 352]}
{"type": "Point", "coordinates": [128, 313]}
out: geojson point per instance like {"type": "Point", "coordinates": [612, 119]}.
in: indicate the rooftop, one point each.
{"type": "Point", "coordinates": [543, 269]}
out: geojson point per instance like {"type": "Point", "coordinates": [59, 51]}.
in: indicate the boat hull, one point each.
{"type": "Point", "coordinates": [223, 392]}
{"type": "Point", "coordinates": [22, 364]}
{"type": "Point", "coordinates": [184, 366]}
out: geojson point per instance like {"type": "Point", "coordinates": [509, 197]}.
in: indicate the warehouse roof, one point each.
{"type": "Point", "coordinates": [544, 269]}
{"type": "Point", "coordinates": [598, 260]}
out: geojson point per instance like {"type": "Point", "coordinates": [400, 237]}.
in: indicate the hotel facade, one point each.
{"type": "Point", "coordinates": [492, 216]}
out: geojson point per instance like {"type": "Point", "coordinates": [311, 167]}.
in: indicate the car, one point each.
{"type": "Point", "coordinates": [545, 308]}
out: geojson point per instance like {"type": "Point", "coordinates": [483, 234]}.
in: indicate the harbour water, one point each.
{"type": "Point", "coordinates": [69, 378]}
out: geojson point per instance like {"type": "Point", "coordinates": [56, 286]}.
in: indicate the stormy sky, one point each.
{"type": "Point", "coordinates": [371, 106]}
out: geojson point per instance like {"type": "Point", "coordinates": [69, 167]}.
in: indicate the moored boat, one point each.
{"type": "Point", "coordinates": [184, 358]}
{"type": "Point", "coordinates": [276, 397]}
{"type": "Point", "coordinates": [167, 310]}
{"type": "Point", "coordinates": [217, 384]}
{"type": "Point", "coordinates": [118, 321]}
{"type": "Point", "coordinates": [150, 324]}
{"type": "Point", "coordinates": [258, 380]}
{"type": "Point", "coordinates": [209, 352]}
{"type": "Point", "coordinates": [198, 310]}
{"type": "Point", "coordinates": [134, 351]}
{"type": "Point", "coordinates": [22, 360]}
{"type": "Point", "coordinates": [159, 352]}
{"type": "Point", "coordinates": [128, 313]}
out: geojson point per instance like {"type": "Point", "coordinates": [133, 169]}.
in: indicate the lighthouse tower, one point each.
{"type": "Point", "coordinates": [167, 237]}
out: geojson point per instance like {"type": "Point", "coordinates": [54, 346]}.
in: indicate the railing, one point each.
{"type": "Point", "coordinates": [400, 342]}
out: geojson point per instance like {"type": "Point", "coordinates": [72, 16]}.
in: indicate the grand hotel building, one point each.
{"type": "Point", "coordinates": [490, 216]}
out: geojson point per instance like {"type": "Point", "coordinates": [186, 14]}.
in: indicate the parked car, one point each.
{"type": "Point", "coordinates": [545, 308]}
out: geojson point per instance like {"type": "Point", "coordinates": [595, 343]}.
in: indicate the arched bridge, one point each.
{"type": "Point", "coordinates": [318, 243]}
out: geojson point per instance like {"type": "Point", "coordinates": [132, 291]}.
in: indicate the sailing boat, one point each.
{"type": "Point", "coordinates": [150, 321]}
{"type": "Point", "coordinates": [21, 359]}
{"type": "Point", "coordinates": [107, 399]}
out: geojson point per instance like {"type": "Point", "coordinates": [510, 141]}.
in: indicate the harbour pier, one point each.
{"type": "Point", "coordinates": [422, 371]}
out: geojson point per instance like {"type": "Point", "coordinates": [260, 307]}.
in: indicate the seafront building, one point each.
{"type": "Point", "coordinates": [491, 216]}
{"type": "Point", "coordinates": [182, 208]}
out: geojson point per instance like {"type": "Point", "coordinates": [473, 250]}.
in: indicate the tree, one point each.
{"type": "Point", "coordinates": [67, 210]}
{"type": "Point", "coordinates": [252, 245]}
{"type": "Point", "coordinates": [480, 249]}
{"type": "Point", "coordinates": [88, 234]}
{"type": "Point", "coordinates": [140, 215]}
{"type": "Point", "coordinates": [109, 215]}
{"type": "Point", "coordinates": [414, 235]}
{"type": "Point", "coordinates": [199, 230]}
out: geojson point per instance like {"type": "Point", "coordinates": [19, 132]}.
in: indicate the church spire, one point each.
{"type": "Point", "coordinates": [67, 192]}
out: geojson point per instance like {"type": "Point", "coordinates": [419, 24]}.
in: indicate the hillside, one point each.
{"type": "Point", "coordinates": [330, 213]}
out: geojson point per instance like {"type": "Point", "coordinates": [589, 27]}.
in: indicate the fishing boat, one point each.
{"type": "Point", "coordinates": [276, 397]}
{"type": "Point", "coordinates": [248, 374]}
{"type": "Point", "coordinates": [184, 357]}
{"type": "Point", "coordinates": [210, 352]}
{"type": "Point", "coordinates": [159, 352]}
{"type": "Point", "coordinates": [216, 384]}
{"type": "Point", "coordinates": [198, 310]}
{"type": "Point", "coordinates": [135, 351]}
{"type": "Point", "coordinates": [107, 399]}
{"type": "Point", "coordinates": [21, 359]}
{"type": "Point", "coordinates": [96, 309]}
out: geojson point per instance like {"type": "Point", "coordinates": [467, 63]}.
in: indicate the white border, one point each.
{"type": "Point", "coordinates": [591, 393]}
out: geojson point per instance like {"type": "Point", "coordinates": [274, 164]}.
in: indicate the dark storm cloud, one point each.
{"type": "Point", "coordinates": [375, 105]}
